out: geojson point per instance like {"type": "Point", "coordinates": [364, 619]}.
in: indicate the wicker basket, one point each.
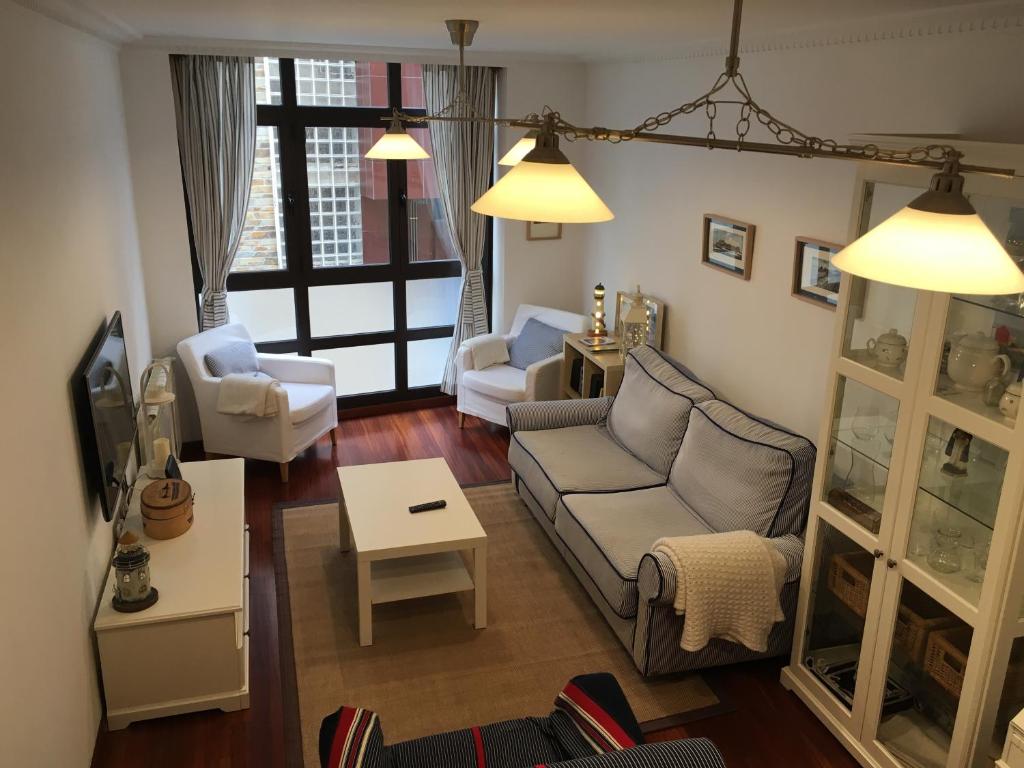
{"type": "Point", "coordinates": [849, 579]}
{"type": "Point", "coordinates": [918, 617]}
{"type": "Point", "coordinates": [946, 657]}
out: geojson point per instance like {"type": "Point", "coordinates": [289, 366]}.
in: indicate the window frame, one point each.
{"type": "Point", "coordinates": [299, 275]}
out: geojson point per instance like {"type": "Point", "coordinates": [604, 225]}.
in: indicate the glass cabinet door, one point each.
{"type": "Point", "coordinates": [924, 679]}
{"type": "Point", "coordinates": [838, 606]}
{"type": "Point", "coordinates": [878, 324]}
{"type": "Point", "coordinates": [861, 443]}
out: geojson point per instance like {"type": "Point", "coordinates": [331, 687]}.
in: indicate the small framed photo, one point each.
{"type": "Point", "coordinates": [728, 245]}
{"type": "Point", "coordinates": [543, 230]}
{"type": "Point", "coordinates": [815, 279]}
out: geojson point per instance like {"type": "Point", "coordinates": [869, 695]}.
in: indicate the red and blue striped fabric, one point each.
{"type": "Point", "coordinates": [356, 741]}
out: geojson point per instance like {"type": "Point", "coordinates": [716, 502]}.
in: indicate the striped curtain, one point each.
{"type": "Point", "coordinates": [463, 157]}
{"type": "Point", "coordinates": [215, 106]}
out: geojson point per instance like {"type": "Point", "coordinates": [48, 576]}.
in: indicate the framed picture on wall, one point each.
{"type": "Point", "coordinates": [727, 245]}
{"type": "Point", "coordinates": [543, 230]}
{"type": "Point", "coordinates": [815, 279]}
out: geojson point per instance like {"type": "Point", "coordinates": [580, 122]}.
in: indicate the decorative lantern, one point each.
{"type": "Point", "coordinates": [598, 328]}
{"type": "Point", "coordinates": [159, 432]}
{"type": "Point", "coordinates": [633, 322]}
{"type": "Point", "coordinates": [132, 590]}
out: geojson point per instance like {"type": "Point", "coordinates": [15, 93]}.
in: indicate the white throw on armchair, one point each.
{"type": "Point", "coordinates": [306, 405]}
{"type": "Point", "coordinates": [485, 393]}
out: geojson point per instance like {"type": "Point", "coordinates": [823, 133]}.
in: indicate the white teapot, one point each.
{"type": "Point", "coordinates": [974, 360]}
{"type": "Point", "coordinates": [889, 349]}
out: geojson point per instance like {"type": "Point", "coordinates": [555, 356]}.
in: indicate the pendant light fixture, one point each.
{"type": "Point", "coordinates": [937, 243]}
{"type": "Point", "coordinates": [520, 149]}
{"type": "Point", "coordinates": [544, 186]}
{"type": "Point", "coordinates": [396, 144]}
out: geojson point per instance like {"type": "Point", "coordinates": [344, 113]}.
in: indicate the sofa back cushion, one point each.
{"type": "Point", "coordinates": [739, 472]}
{"type": "Point", "coordinates": [651, 410]}
{"type": "Point", "coordinates": [537, 341]}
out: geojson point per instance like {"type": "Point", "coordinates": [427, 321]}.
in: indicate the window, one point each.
{"type": "Point", "coordinates": [343, 257]}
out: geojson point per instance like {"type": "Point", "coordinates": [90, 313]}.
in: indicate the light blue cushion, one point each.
{"type": "Point", "coordinates": [741, 473]}
{"type": "Point", "coordinates": [236, 357]}
{"type": "Point", "coordinates": [536, 341]}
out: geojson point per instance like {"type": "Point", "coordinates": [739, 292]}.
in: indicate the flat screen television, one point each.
{"type": "Point", "coordinates": [107, 415]}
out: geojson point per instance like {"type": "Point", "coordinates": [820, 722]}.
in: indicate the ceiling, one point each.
{"type": "Point", "coordinates": [583, 29]}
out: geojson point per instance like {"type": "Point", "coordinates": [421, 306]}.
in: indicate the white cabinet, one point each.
{"type": "Point", "coordinates": [189, 651]}
{"type": "Point", "coordinates": [910, 631]}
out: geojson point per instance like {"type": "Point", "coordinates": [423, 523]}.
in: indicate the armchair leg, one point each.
{"type": "Point", "coordinates": [283, 466]}
{"type": "Point", "coordinates": [462, 419]}
{"type": "Point", "coordinates": [334, 436]}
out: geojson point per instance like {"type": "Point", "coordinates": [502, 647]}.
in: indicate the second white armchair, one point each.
{"type": "Point", "coordinates": [485, 393]}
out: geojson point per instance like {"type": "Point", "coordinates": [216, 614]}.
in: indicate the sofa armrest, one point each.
{"type": "Point", "coordinates": [542, 378]}
{"type": "Point", "coordinates": [464, 356]}
{"type": "Point", "coordinates": [556, 414]}
{"type": "Point", "coordinates": [681, 753]}
{"type": "Point", "coordinates": [352, 736]}
{"type": "Point", "coordinates": [656, 575]}
{"type": "Point", "coordinates": [297, 370]}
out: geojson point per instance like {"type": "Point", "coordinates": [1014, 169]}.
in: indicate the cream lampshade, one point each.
{"type": "Point", "coordinates": [520, 149]}
{"type": "Point", "coordinates": [937, 243]}
{"type": "Point", "coordinates": [396, 144]}
{"type": "Point", "coordinates": [544, 186]}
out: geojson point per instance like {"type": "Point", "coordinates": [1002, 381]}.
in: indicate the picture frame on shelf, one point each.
{"type": "Point", "coordinates": [543, 230]}
{"type": "Point", "coordinates": [815, 278]}
{"type": "Point", "coordinates": [727, 245]}
{"type": "Point", "coordinates": [654, 309]}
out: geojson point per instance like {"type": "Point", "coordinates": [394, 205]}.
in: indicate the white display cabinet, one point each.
{"type": "Point", "coordinates": [910, 630]}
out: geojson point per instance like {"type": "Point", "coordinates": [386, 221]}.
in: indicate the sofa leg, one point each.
{"type": "Point", "coordinates": [462, 419]}
{"type": "Point", "coordinates": [283, 466]}
{"type": "Point", "coordinates": [334, 436]}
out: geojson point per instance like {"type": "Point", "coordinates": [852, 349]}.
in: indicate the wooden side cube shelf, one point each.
{"type": "Point", "coordinates": [589, 373]}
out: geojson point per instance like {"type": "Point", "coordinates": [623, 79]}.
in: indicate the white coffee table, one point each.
{"type": "Point", "coordinates": [401, 555]}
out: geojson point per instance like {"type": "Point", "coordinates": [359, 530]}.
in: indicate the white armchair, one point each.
{"type": "Point", "coordinates": [307, 406]}
{"type": "Point", "coordinates": [486, 393]}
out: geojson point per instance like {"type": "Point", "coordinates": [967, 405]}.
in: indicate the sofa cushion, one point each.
{"type": "Point", "coordinates": [608, 533]}
{"type": "Point", "coordinates": [537, 341]}
{"type": "Point", "coordinates": [502, 382]}
{"type": "Point", "coordinates": [739, 472]}
{"type": "Point", "coordinates": [652, 407]}
{"type": "Point", "coordinates": [556, 461]}
{"type": "Point", "coordinates": [307, 400]}
{"type": "Point", "coordinates": [490, 351]}
{"type": "Point", "coordinates": [234, 357]}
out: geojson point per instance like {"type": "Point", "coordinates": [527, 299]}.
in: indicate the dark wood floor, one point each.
{"type": "Point", "coordinates": [768, 727]}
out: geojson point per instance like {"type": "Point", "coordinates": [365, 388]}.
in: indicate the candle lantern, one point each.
{"type": "Point", "coordinates": [132, 589]}
{"type": "Point", "coordinates": [597, 326]}
{"type": "Point", "coordinates": [159, 431]}
{"type": "Point", "coordinates": [634, 321]}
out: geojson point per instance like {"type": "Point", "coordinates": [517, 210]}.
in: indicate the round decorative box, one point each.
{"type": "Point", "coordinates": [166, 508]}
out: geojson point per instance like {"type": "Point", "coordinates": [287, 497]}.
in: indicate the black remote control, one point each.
{"type": "Point", "coordinates": [439, 504]}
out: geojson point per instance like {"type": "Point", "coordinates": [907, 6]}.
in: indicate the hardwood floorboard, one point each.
{"type": "Point", "coordinates": [769, 726]}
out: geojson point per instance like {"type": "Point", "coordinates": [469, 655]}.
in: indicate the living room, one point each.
{"type": "Point", "coordinates": [273, 286]}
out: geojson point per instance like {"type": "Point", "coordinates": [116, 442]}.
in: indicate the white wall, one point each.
{"type": "Point", "coordinates": [70, 258]}
{"type": "Point", "coordinates": [752, 341]}
{"type": "Point", "coordinates": [544, 272]}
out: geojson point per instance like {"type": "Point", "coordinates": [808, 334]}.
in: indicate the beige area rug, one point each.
{"type": "Point", "coordinates": [428, 670]}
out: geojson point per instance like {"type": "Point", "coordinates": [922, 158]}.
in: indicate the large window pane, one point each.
{"type": "Point", "coordinates": [338, 83]}
{"type": "Point", "coordinates": [262, 245]}
{"type": "Point", "coordinates": [361, 370]}
{"type": "Point", "coordinates": [426, 361]}
{"type": "Point", "coordinates": [338, 310]}
{"type": "Point", "coordinates": [429, 235]}
{"type": "Point", "coordinates": [267, 315]}
{"type": "Point", "coordinates": [268, 80]}
{"type": "Point", "coordinates": [432, 302]}
{"type": "Point", "coordinates": [348, 198]}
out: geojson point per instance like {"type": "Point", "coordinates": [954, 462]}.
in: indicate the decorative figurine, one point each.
{"type": "Point", "coordinates": [958, 448]}
{"type": "Point", "coordinates": [598, 328]}
{"type": "Point", "coordinates": [132, 590]}
{"type": "Point", "coordinates": [1009, 403]}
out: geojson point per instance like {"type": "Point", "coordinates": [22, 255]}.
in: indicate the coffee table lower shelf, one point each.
{"type": "Point", "coordinates": [404, 578]}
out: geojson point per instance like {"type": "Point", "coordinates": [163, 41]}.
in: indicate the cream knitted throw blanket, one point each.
{"type": "Point", "coordinates": [728, 586]}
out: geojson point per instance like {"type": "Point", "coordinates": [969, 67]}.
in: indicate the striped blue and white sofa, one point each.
{"type": "Point", "coordinates": [592, 726]}
{"type": "Point", "coordinates": [607, 477]}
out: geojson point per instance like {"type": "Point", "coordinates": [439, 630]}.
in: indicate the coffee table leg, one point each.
{"type": "Point", "coordinates": [480, 586]}
{"type": "Point", "coordinates": [344, 530]}
{"type": "Point", "coordinates": [365, 607]}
